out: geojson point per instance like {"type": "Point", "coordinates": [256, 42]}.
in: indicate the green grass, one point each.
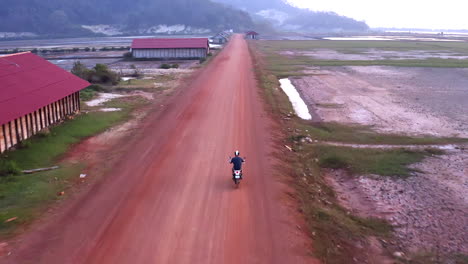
{"type": "Point", "coordinates": [289, 66]}
{"type": "Point", "coordinates": [357, 134]}
{"type": "Point", "coordinates": [330, 224]}
{"type": "Point", "coordinates": [433, 258]}
{"type": "Point", "coordinates": [332, 106]}
{"type": "Point", "coordinates": [44, 150]}
{"type": "Point", "coordinates": [138, 82]}
{"type": "Point", "coordinates": [25, 196]}
{"type": "Point", "coordinates": [271, 92]}
{"type": "Point", "coordinates": [369, 161]}
{"type": "Point", "coordinates": [144, 84]}
{"type": "Point", "coordinates": [353, 47]}
{"type": "Point", "coordinates": [87, 94]}
{"type": "Point", "coordinates": [430, 62]}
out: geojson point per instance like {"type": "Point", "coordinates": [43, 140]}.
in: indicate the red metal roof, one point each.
{"type": "Point", "coordinates": [251, 33]}
{"type": "Point", "coordinates": [177, 43]}
{"type": "Point", "coordinates": [28, 83]}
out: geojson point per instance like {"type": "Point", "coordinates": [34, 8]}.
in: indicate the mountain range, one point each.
{"type": "Point", "coordinates": [119, 17]}
{"type": "Point", "coordinates": [284, 16]}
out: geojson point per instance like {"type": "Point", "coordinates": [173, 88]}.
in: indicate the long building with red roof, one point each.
{"type": "Point", "coordinates": [34, 95]}
{"type": "Point", "coordinates": [165, 49]}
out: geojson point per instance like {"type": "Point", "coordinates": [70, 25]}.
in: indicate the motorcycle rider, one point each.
{"type": "Point", "coordinates": [236, 162]}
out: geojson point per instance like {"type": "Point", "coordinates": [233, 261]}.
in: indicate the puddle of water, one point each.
{"type": "Point", "coordinates": [356, 38]}
{"type": "Point", "coordinates": [390, 38]}
{"type": "Point", "coordinates": [102, 98]}
{"type": "Point", "coordinates": [110, 109]}
{"type": "Point", "coordinates": [298, 104]}
{"type": "Point", "coordinates": [128, 78]}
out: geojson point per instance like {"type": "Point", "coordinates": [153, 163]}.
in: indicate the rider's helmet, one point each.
{"type": "Point", "coordinates": [237, 153]}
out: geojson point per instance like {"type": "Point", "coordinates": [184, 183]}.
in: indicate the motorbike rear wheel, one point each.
{"type": "Point", "coordinates": [237, 183]}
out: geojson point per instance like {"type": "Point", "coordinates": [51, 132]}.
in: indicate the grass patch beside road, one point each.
{"type": "Point", "coordinates": [430, 62]}
{"type": "Point", "coordinates": [338, 235]}
{"type": "Point", "coordinates": [359, 46]}
{"type": "Point", "coordinates": [293, 65]}
{"type": "Point", "coordinates": [368, 161]}
{"type": "Point", "coordinates": [357, 134]}
{"type": "Point", "coordinates": [290, 66]}
{"type": "Point", "coordinates": [26, 196]}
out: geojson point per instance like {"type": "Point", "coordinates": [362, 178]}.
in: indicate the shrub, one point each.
{"type": "Point", "coordinates": [80, 70]}
{"type": "Point", "coordinates": [76, 49]}
{"type": "Point", "coordinates": [202, 60]}
{"type": "Point", "coordinates": [87, 49]}
{"type": "Point", "coordinates": [175, 66]}
{"type": "Point", "coordinates": [43, 133]}
{"type": "Point", "coordinates": [96, 88]}
{"type": "Point", "coordinates": [128, 55]}
{"type": "Point", "coordinates": [136, 73]}
{"type": "Point", "coordinates": [99, 74]}
{"type": "Point", "coordinates": [87, 94]}
{"type": "Point", "coordinates": [24, 144]}
{"type": "Point", "coordinates": [8, 167]}
{"type": "Point", "coordinates": [165, 66]}
{"type": "Point", "coordinates": [434, 151]}
{"type": "Point", "coordinates": [333, 162]}
{"type": "Point", "coordinates": [102, 74]}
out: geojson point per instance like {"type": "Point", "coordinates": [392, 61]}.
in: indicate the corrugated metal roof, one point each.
{"type": "Point", "coordinates": [28, 83]}
{"type": "Point", "coordinates": [177, 43]}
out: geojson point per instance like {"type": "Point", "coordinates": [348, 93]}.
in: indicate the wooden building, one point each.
{"type": "Point", "coordinates": [252, 35]}
{"type": "Point", "coordinates": [34, 95]}
{"type": "Point", "coordinates": [166, 49]}
{"type": "Point", "coordinates": [221, 38]}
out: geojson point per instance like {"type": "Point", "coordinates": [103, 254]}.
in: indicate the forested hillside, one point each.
{"type": "Point", "coordinates": [287, 17]}
{"type": "Point", "coordinates": [67, 16]}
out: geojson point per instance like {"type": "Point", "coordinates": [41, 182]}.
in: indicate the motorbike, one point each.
{"type": "Point", "coordinates": [237, 175]}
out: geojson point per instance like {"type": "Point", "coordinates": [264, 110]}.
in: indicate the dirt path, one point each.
{"type": "Point", "coordinates": [170, 199]}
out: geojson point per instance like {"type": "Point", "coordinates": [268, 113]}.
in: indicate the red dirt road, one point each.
{"type": "Point", "coordinates": [171, 200]}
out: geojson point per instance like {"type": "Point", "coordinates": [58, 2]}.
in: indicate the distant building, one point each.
{"type": "Point", "coordinates": [218, 39]}
{"type": "Point", "coordinates": [34, 95]}
{"type": "Point", "coordinates": [252, 35]}
{"type": "Point", "coordinates": [222, 37]}
{"type": "Point", "coordinates": [165, 49]}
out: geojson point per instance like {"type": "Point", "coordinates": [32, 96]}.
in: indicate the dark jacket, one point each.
{"type": "Point", "coordinates": [237, 162]}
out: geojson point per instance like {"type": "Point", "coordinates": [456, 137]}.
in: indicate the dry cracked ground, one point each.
{"type": "Point", "coordinates": [429, 209]}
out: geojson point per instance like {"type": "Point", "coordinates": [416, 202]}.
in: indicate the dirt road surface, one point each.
{"type": "Point", "coordinates": [170, 199]}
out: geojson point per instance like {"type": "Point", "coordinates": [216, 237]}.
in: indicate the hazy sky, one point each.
{"type": "Point", "coordinates": [445, 14]}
